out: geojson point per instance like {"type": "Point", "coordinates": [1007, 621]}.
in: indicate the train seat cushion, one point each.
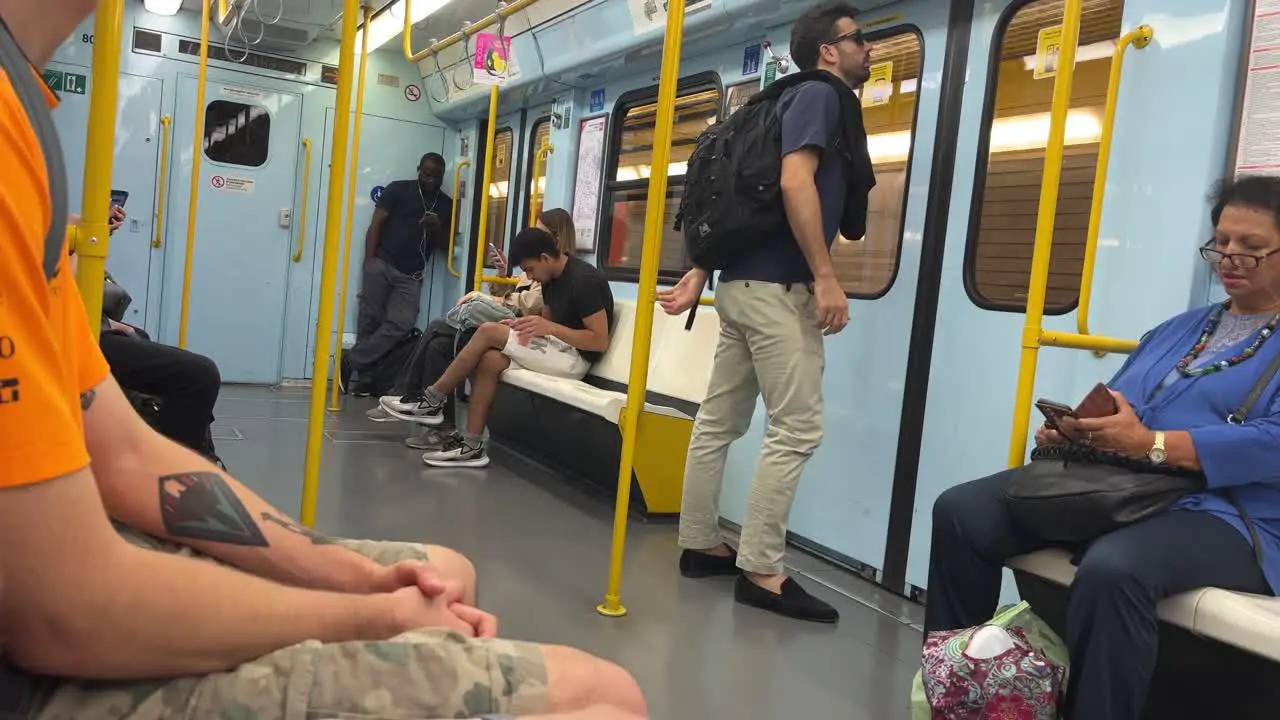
{"type": "Point", "coordinates": [597, 401]}
{"type": "Point", "coordinates": [1249, 622]}
{"type": "Point", "coordinates": [679, 365]}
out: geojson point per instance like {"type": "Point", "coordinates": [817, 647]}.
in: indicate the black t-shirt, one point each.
{"type": "Point", "coordinates": [404, 242]}
{"type": "Point", "coordinates": [580, 292]}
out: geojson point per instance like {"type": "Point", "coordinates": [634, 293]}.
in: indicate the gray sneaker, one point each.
{"type": "Point", "coordinates": [377, 413]}
{"type": "Point", "coordinates": [430, 439]}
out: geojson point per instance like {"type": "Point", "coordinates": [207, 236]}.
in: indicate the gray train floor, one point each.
{"type": "Point", "coordinates": [542, 549]}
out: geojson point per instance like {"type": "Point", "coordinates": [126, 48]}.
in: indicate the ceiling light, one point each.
{"type": "Point", "coordinates": [162, 7]}
{"type": "Point", "coordinates": [389, 24]}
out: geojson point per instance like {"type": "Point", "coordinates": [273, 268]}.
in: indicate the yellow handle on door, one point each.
{"type": "Point", "coordinates": [306, 185]}
{"type": "Point", "coordinates": [163, 181]}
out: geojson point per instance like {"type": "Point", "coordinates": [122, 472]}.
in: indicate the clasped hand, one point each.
{"type": "Point", "coordinates": [423, 599]}
{"type": "Point", "coordinates": [1121, 433]}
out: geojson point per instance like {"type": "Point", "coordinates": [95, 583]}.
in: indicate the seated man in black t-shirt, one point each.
{"type": "Point", "coordinates": [571, 333]}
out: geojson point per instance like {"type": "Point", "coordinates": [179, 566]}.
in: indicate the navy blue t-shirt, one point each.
{"type": "Point", "coordinates": [810, 117]}
{"type": "Point", "coordinates": [405, 242]}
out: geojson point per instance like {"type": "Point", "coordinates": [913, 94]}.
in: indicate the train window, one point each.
{"type": "Point", "coordinates": [236, 133]}
{"type": "Point", "coordinates": [866, 266]}
{"type": "Point", "coordinates": [541, 137]}
{"type": "Point", "coordinates": [698, 104]}
{"type": "Point", "coordinates": [739, 95]}
{"type": "Point", "coordinates": [499, 188]}
{"type": "Point", "coordinates": [1007, 190]}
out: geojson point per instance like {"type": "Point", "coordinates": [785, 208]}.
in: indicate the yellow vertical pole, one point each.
{"type": "Point", "coordinates": [1139, 37]}
{"type": "Point", "coordinates": [646, 290]}
{"type": "Point", "coordinates": [329, 262]}
{"type": "Point", "coordinates": [197, 151]}
{"type": "Point", "coordinates": [93, 238]}
{"type": "Point", "coordinates": [482, 239]}
{"type": "Point", "coordinates": [539, 167]}
{"type": "Point", "coordinates": [1044, 232]}
{"type": "Point", "coordinates": [453, 216]}
{"type": "Point", "coordinates": [351, 203]}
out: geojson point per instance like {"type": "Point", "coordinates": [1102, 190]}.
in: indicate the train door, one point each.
{"type": "Point", "coordinates": [842, 504]}
{"type": "Point", "coordinates": [244, 229]}
{"type": "Point", "coordinates": [389, 150]}
{"type": "Point", "coordinates": [136, 157]}
{"type": "Point", "coordinates": [990, 230]}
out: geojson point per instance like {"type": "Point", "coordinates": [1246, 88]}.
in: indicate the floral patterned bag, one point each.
{"type": "Point", "coordinates": [1026, 680]}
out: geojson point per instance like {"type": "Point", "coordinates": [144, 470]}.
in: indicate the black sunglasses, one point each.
{"type": "Point", "coordinates": [854, 35]}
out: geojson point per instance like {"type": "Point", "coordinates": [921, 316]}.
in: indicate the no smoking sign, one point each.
{"type": "Point", "coordinates": [218, 182]}
{"type": "Point", "coordinates": [412, 93]}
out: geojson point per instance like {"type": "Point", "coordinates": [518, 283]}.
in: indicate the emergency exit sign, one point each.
{"type": "Point", "coordinates": [66, 82]}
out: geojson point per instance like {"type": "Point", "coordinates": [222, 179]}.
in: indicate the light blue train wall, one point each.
{"type": "Point", "coordinates": [396, 132]}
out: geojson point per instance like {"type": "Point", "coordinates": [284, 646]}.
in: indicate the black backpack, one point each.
{"type": "Point", "coordinates": [732, 199]}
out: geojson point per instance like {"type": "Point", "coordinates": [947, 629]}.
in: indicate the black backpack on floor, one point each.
{"type": "Point", "coordinates": [382, 377]}
{"type": "Point", "coordinates": [732, 199]}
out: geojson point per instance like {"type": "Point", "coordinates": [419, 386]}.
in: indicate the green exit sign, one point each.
{"type": "Point", "coordinates": [66, 82]}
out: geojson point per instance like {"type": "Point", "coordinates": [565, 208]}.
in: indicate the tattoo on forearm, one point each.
{"type": "Point", "coordinates": [87, 397]}
{"type": "Point", "coordinates": [293, 527]}
{"type": "Point", "coordinates": [201, 506]}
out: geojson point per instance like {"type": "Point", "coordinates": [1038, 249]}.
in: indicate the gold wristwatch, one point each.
{"type": "Point", "coordinates": [1157, 454]}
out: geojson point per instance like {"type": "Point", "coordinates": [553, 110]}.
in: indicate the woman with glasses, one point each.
{"type": "Point", "coordinates": [1174, 393]}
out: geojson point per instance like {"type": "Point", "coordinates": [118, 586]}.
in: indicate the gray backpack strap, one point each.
{"type": "Point", "coordinates": [27, 87]}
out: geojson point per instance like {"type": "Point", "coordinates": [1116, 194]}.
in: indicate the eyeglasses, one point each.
{"type": "Point", "coordinates": [1244, 261]}
{"type": "Point", "coordinates": [854, 35]}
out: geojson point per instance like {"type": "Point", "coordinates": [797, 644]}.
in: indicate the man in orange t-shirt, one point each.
{"type": "Point", "coordinates": [165, 595]}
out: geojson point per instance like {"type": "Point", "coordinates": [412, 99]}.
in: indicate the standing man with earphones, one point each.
{"type": "Point", "coordinates": [410, 222]}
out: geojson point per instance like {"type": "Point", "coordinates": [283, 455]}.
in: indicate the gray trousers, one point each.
{"type": "Point", "coordinates": [388, 310]}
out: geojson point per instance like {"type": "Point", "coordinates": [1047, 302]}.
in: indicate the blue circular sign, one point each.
{"type": "Point", "coordinates": [376, 194]}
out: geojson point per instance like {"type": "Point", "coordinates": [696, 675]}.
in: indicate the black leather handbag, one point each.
{"type": "Point", "coordinates": [1074, 493]}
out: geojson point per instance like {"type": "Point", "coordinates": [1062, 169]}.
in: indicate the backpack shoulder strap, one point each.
{"type": "Point", "coordinates": [1255, 393]}
{"type": "Point", "coordinates": [27, 88]}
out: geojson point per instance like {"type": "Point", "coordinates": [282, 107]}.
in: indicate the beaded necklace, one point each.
{"type": "Point", "coordinates": [1184, 365]}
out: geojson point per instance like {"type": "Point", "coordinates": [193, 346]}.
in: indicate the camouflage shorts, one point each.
{"type": "Point", "coordinates": [421, 675]}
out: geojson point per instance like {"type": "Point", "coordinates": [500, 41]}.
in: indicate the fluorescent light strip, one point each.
{"type": "Point", "coordinates": [389, 24]}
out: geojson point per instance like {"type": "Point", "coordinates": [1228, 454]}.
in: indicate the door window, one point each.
{"type": "Point", "coordinates": [236, 133]}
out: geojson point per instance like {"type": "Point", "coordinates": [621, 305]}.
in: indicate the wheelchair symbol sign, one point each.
{"type": "Point", "coordinates": [376, 193]}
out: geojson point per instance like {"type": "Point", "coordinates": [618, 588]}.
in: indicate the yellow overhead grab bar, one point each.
{"type": "Point", "coordinates": [650, 255]}
{"type": "Point", "coordinates": [306, 189]}
{"type": "Point", "coordinates": [539, 166]}
{"type": "Point", "coordinates": [1139, 37]}
{"type": "Point", "coordinates": [453, 217]}
{"type": "Point", "coordinates": [504, 11]}
{"type": "Point", "coordinates": [162, 181]}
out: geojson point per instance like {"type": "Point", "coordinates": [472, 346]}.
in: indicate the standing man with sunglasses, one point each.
{"type": "Point", "coordinates": [776, 302]}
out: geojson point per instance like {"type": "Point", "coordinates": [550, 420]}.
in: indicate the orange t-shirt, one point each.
{"type": "Point", "coordinates": [48, 356]}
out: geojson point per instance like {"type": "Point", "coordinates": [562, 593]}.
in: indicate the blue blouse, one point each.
{"type": "Point", "coordinates": [1245, 458]}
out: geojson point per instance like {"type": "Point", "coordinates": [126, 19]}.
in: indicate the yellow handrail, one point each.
{"type": "Point", "coordinates": [646, 289]}
{"type": "Point", "coordinates": [162, 182]}
{"type": "Point", "coordinates": [1096, 343]}
{"type": "Point", "coordinates": [1048, 211]}
{"type": "Point", "coordinates": [306, 191]}
{"type": "Point", "coordinates": [539, 166]}
{"type": "Point", "coordinates": [482, 238]}
{"type": "Point", "coordinates": [197, 149]}
{"type": "Point", "coordinates": [498, 280]}
{"type": "Point", "coordinates": [1139, 37]}
{"type": "Point", "coordinates": [453, 216]}
{"type": "Point", "coordinates": [504, 11]}
{"type": "Point", "coordinates": [351, 204]}
{"type": "Point", "coordinates": [329, 263]}
{"type": "Point", "coordinates": [93, 236]}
